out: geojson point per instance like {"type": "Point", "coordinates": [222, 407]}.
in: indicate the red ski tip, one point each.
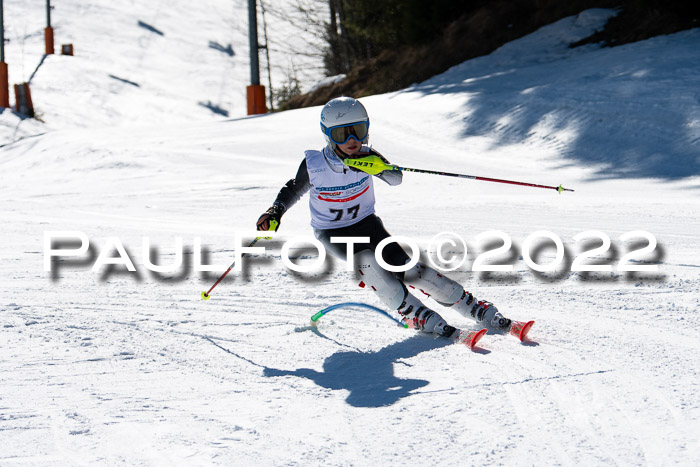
{"type": "Point", "coordinates": [520, 329]}
{"type": "Point", "coordinates": [477, 337]}
{"type": "Point", "coordinates": [470, 338]}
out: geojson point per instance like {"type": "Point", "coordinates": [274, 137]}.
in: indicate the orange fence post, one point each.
{"type": "Point", "coordinates": [4, 86]}
{"type": "Point", "coordinates": [48, 39]}
{"type": "Point", "coordinates": [256, 99]}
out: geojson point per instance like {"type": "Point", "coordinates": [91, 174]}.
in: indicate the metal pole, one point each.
{"type": "Point", "coordinates": [253, 41]}
{"type": "Point", "coordinates": [207, 295]}
{"type": "Point", "coordinates": [2, 32]}
{"type": "Point", "coordinates": [48, 30]}
{"type": "Point", "coordinates": [483, 179]}
{"type": "Point", "coordinates": [267, 54]}
{"type": "Point", "coordinates": [374, 165]}
{"type": "Point", "coordinates": [4, 82]}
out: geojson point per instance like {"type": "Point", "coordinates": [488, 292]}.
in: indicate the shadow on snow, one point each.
{"type": "Point", "coordinates": [629, 112]}
{"type": "Point", "coordinates": [368, 376]}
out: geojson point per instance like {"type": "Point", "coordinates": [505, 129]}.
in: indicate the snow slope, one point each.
{"type": "Point", "coordinates": [144, 62]}
{"type": "Point", "coordinates": [117, 367]}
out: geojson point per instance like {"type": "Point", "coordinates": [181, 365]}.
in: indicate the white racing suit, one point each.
{"type": "Point", "coordinates": [341, 201]}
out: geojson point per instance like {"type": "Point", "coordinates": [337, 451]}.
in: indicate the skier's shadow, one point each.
{"type": "Point", "coordinates": [369, 376]}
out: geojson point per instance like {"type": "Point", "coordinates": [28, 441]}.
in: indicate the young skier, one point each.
{"type": "Point", "coordinates": [342, 205]}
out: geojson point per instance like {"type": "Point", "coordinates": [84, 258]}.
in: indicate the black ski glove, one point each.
{"type": "Point", "coordinates": [274, 213]}
{"type": "Point", "coordinates": [372, 152]}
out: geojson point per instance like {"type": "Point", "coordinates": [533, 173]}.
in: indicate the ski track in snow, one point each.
{"type": "Point", "coordinates": [113, 367]}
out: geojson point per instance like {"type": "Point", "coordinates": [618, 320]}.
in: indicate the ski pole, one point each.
{"type": "Point", "coordinates": [206, 295]}
{"type": "Point", "coordinates": [374, 165]}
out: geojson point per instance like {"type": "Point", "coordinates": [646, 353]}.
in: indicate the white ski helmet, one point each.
{"type": "Point", "coordinates": [343, 118]}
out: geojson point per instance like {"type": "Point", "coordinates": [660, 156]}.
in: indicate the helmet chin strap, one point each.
{"type": "Point", "coordinates": [339, 152]}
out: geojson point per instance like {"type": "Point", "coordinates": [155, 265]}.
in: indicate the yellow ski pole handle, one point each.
{"type": "Point", "coordinates": [372, 165]}
{"type": "Point", "coordinates": [273, 228]}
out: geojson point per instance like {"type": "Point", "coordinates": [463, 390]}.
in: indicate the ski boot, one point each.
{"type": "Point", "coordinates": [481, 311]}
{"type": "Point", "coordinates": [487, 313]}
{"type": "Point", "coordinates": [418, 316]}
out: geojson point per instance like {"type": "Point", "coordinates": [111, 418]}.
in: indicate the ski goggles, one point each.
{"type": "Point", "coordinates": [341, 134]}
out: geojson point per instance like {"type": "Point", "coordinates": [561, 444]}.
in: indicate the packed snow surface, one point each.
{"type": "Point", "coordinates": [111, 366]}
